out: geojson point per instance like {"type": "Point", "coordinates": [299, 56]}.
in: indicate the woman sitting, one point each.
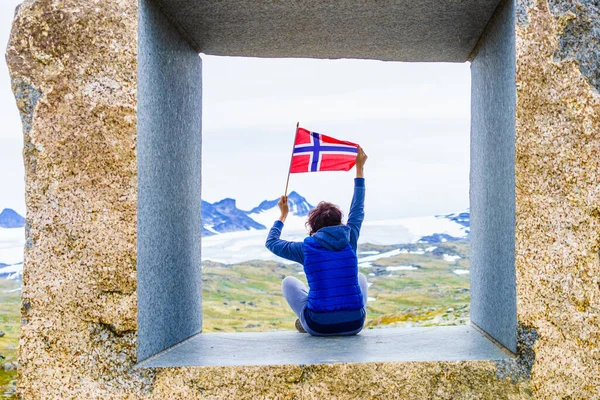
{"type": "Point", "coordinates": [335, 303]}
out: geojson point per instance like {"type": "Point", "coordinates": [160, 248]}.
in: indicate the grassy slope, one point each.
{"type": "Point", "coordinates": [247, 296]}
{"type": "Point", "coordinates": [10, 304]}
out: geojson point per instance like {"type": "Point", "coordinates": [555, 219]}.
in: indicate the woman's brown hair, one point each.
{"type": "Point", "coordinates": [324, 214]}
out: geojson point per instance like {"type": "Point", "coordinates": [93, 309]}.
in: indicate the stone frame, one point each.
{"type": "Point", "coordinates": [73, 72]}
{"type": "Point", "coordinates": [169, 181]}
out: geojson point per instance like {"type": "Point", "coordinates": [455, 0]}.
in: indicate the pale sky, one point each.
{"type": "Point", "coordinates": [412, 119]}
{"type": "Point", "coordinates": [12, 184]}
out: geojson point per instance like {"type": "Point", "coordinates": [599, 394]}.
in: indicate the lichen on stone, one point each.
{"type": "Point", "coordinates": [521, 7]}
{"type": "Point", "coordinates": [27, 97]}
{"type": "Point", "coordinates": [579, 37]}
{"type": "Point", "coordinates": [519, 369]}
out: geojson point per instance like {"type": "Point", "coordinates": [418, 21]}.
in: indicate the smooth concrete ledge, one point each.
{"type": "Point", "coordinates": [444, 343]}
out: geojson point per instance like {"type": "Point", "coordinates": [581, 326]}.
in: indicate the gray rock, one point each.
{"type": "Point", "coordinates": [10, 366]}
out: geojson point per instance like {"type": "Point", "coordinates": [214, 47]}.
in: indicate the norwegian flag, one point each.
{"type": "Point", "coordinates": [314, 152]}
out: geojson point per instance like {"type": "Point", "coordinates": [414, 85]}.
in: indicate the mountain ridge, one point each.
{"type": "Point", "coordinates": [224, 216]}
{"type": "Point", "coordinates": [9, 218]}
{"type": "Point", "coordinates": [298, 205]}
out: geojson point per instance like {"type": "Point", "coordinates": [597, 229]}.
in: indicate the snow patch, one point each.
{"type": "Point", "coordinates": [401, 268]}
{"type": "Point", "coordinates": [12, 268]}
{"type": "Point", "coordinates": [14, 271]}
{"type": "Point", "coordinates": [387, 254]}
{"type": "Point", "coordinates": [450, 258]}
{"type": "Point", "coordinates": [210, 228]}
{"type": "Point", "coordinates": [235, 247]}
{"type": "Point", "coordinates": [461, 271]}
{"type": "Point", "coordinates": [409, 230]}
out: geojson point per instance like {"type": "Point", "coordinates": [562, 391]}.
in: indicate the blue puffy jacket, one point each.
{"type": "Point", "coordinates": [331, 268]}
{"type": "Point", "coordinates": [329, 258]}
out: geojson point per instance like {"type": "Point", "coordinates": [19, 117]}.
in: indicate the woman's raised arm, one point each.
{"type": "Point", "coordinates": [292, 251]}
{"type": "Point", "coordinates": [357, 207]}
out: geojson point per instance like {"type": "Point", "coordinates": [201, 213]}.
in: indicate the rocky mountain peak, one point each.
{"type": "Point", "coordinates": [9, 218]}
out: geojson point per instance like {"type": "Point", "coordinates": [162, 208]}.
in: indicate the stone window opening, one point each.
{"type": "Point", "coordinates": [171, 36]}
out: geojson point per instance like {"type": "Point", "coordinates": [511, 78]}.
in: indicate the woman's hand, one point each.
{"type": "Point", "coordinates": [361, 159]}
{"type": "Point", "coordinates": [284, 208]}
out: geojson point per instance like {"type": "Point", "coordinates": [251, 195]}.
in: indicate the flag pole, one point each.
{"type": "Point", "coordinates": [291, 158]}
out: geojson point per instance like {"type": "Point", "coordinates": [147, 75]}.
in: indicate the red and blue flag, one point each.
{"type": "Point", "coordinates": [314, 152]}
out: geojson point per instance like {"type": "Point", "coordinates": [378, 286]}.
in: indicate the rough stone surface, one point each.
{"type": "Point", "coordinates": [428, 30]}
{"type": "Point", "coordinates": [558, 204]}
{"type": "Point", "coordinates": [79, 330]}
{"type": "Point", "coordinates": [73, 69]}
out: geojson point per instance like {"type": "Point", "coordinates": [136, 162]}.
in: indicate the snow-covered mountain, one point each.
{"type": "Point", "coordinates": [268, 211]}
{"type": "Point", "coordinates": [298, 205]}
{"type": "Point", "coordinates": [224, 216]}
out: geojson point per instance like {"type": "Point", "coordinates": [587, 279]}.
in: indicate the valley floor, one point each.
{"type": "Point", "coordinates": [10, 315]}
{"type": "Point", "coordinates": [410, 285]}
